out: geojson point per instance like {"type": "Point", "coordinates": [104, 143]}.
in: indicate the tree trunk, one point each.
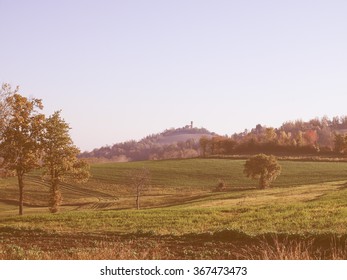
{"type": "Point", "coordinates": [55, 196]}
{"type": "Point", "coordinates": [262, 182]}
{"type": "Point", "coordinates": [21, 187]}
{"type": "Point", "coordinates": [138, 198]}
{"type": "Point", "coordinates": [138, 202]}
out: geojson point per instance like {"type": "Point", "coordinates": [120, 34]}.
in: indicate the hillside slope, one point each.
{"type": "Point", "coordinates": [171, 143]}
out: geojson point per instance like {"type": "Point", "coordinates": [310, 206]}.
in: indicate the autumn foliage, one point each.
{"type": "Point", "coordinates": [262, 167]}
{"type": "Point", "coordinates": [315, 137]}
{"type": "Point", "coordinates": [29, 140]}
{"type": "Point", "coordinates": [60, 160]}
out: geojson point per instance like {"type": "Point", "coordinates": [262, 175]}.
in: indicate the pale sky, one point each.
{"type": "Point", "coordinates": [121, 70]}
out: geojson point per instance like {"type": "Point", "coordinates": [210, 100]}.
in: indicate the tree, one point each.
{"type": "Point", "coordinates": [139, 180]}
{"type": "Point", "coordinates": [5, 92]}
{"type": "Point", "coordinates": [204, 141]}
{"type": "Point", "coordinates": [270, 134]}
{"type": "Point", "coordinates": [60, 160]}
{"type": "Point", "coordinates": [340, 143]}
{"type": "Point", "coordinates": [20, 145]}
{"type": "Point", "coordinates": [262, 167]}
{"type": "Point", "coordinates": [311, 137]}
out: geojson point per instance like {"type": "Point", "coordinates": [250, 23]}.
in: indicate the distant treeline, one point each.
{"type": "Point", "coordinates": [317, 136]}
{"type": "Point", "coordinates": [294, 138]}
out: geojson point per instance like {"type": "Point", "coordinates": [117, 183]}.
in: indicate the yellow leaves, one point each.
{"type": "Point", "coordinates": [60, 154]}
{"type": "Point", "coordinates": [20, 138]}
{"type": "Point", "coordinates": [28, 139]}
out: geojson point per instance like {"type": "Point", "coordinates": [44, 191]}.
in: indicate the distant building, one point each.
{"type": "Point", "coordinates": [189, 126]}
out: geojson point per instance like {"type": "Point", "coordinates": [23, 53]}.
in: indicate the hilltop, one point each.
{"type": "Point", "coordinates": [171, 143]}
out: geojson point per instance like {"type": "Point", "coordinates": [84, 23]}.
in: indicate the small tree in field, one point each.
{"type": "Point", "coordinates": [60, 160]}
{"type": "Point", "coordinates": [139, 180]}
{"type": "Point", "coordinates": [262, 167]}
{"type": "Point", "coordinates": [20, 145]}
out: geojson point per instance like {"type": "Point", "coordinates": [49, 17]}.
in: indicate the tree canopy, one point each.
{"type": "Point", "coordinates": [59, 159]}
{"type": "Point", "coordinates": [262, 167]}
{"type": "Point", "coordinates": [29, 140]}
{"type": "Point", "coordinates": [20, 145]}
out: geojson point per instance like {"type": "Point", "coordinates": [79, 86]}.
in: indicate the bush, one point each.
{"type": "Point", "coordinates": [221, 186]}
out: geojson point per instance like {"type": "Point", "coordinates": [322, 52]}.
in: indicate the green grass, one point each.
{"type": "Point", "coordinates": [206, 172]}
{"type": "Point", "coordinates": [307, 209]}
{"type": "Point", "coordinates": [308, 199]}
{"type": "Point", "coordinates": [308, 196]}
{"type": "Point", "coordinates": [173, 182]}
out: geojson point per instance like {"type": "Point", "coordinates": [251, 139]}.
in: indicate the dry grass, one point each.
{"type": "Point", "coordinates": [294, 250]}
{"type": "Point", "coordinates": [119, 250]}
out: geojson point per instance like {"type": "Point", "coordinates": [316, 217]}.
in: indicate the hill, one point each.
{"type": "Point", "coordinates": [316, 137]}
{"type": "Point", "coordinates": [171, 143]}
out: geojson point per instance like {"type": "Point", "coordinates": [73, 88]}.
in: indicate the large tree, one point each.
{"type": "Point", "coordinates": [60, 159]}
{"type": "Point", "coordinates": [262, 167]}
{"type": "Point", "coordinates": [20, 146]}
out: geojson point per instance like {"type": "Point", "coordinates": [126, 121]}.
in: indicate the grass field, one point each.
{"type": "Point", "coordinates": [303, 215]}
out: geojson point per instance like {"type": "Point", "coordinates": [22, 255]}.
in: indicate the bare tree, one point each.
{"type": "Point", "coordinates": [139, 180]}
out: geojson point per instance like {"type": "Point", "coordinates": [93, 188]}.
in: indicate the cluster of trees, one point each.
{"type": "Point", "coordinates": [317, 136]}
{"type": "Point", "coordinates": [172, 143]}
{"type": "Point", "coordinates": [29, 140]}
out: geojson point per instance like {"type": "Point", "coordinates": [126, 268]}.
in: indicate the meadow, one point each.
{"type": "Point", "coordinates": [302, 216]}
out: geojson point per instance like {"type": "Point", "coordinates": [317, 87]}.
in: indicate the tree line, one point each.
{"type": "Point", "coordinates": [314, 137]}
{"type": "Point", "coordinates": [29, 140]}
{"type": "Point", "coordinates": [317, 136]}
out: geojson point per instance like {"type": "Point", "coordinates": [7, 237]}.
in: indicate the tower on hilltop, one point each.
{"type": "Point", "coordinates": [191, 124]}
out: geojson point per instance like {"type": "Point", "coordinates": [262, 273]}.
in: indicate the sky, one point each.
{"type": "Point", "coordinates": [121, 70]}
